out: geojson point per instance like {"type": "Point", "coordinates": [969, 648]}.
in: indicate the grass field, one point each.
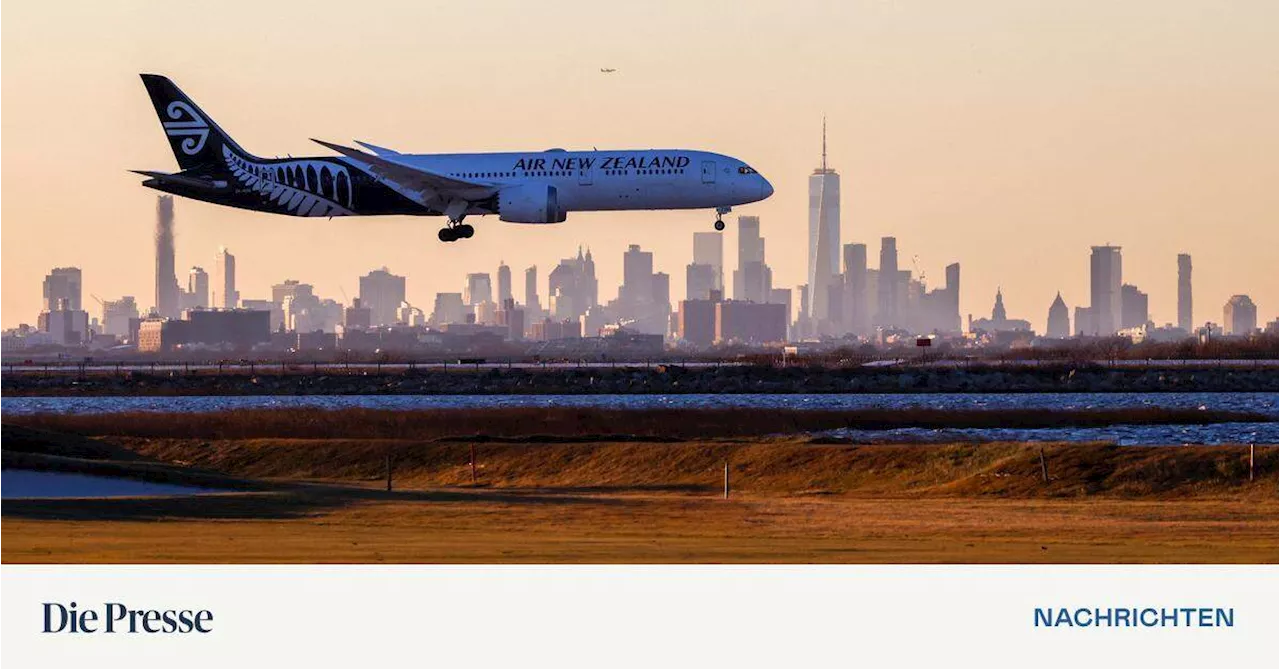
{"type": "Point", "coordinates": [578, 498]}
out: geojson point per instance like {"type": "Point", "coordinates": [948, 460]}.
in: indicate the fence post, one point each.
{"type": "Point", "coordinates": [388, 472]}
{"type": "Point", "coordinates": [726, 479]}
{"type": "Point", "coordinates": [1044, 469]}
{"type": "Point", "coordinates": [473, 464]}
{"type": "Point", "coordinates": [1251, 463]}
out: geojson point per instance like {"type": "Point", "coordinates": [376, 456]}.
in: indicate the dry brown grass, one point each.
{"type": "Point", "coordinates": [483, 526]}
{"type": "Point", "coordinates": [529, 423]}
{"type": "Point", "coordinates": [780, 467]}
{"type": "Point", "coordinates": [320, 500]}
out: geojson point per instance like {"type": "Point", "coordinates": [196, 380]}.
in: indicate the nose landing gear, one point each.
{"type": "Point", "coordinates": [721, 211]}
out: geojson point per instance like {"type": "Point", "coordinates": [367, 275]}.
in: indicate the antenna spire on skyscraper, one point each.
{"type": "Point", "coordinates": [824, 142]}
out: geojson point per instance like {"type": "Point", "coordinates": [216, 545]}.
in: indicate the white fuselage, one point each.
{"type": "Point", "coordinates": [612, 180]}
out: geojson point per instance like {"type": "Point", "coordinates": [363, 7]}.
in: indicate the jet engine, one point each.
{"type": "Point", "coordinates": [530, 203]}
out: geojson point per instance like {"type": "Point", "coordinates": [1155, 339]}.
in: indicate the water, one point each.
{"type": "Point", "coordinates": [25, 484]}
{"type": "Point", "coordinates": [1123, 435]}
{"type": "Point", "coordinates": [1224, 433]}
{"type": "Point", "coordinates": [1264, 403]}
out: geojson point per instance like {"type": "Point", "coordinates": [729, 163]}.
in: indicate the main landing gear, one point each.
{"type": "Point", "coordinates": [721, 211]}
{"type": "Point", "coordinates": [456, 231]}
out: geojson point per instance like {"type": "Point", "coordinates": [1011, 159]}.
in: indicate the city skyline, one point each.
{"type": "Point", "coordinates": [862, 298]}
{"type": "Point", "coordinates": [1006, 167]}
{"type": "Point", "coordinates": [866, 302]}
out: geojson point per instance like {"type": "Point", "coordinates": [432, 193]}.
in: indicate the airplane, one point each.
{"type": "Point", "coordinates": [608, 70]}
{"type": "Point", "coordinates": [519, 187]}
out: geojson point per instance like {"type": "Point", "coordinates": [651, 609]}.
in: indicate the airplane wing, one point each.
{"type": "Point", "coordinates": [380, 150]}
{"type": "Point", "coordinates": [430, 189]}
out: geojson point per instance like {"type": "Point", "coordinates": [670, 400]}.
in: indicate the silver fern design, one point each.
{"type": "Point", "coordinates": [188, 124]}
{"type": "Point", "coordinates": [300, 187]}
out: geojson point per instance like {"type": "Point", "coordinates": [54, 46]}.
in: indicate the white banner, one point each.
{"type": "Point", "coordinates": [639, 616]}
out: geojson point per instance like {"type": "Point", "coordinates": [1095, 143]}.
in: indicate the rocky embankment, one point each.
{"type": "Point", "coordinates": [668, 379]}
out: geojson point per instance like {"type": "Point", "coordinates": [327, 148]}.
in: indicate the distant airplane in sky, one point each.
{"type": "Point", "coordinates": [524, 187]}
{"type": "Point", "coordinates": [608, 70]}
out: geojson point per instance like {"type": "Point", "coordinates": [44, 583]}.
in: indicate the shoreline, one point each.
{"type": "Point", "coordinates": [659, 379]}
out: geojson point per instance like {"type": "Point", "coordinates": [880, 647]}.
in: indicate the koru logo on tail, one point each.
{"type": "Point", "coordinates": [188, 124]}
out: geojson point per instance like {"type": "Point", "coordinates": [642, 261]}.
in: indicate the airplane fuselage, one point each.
{"type": "Point", "coordinates": [519, 187]}
{"type": "Point", "coordinates": [583, 180]}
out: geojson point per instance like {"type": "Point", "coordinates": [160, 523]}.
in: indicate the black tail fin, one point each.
{"type": "Point", "coordinates": [196, 140]}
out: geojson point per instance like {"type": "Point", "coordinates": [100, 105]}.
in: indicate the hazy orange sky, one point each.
{"type": "Point", "coordinates": [1006, 135]}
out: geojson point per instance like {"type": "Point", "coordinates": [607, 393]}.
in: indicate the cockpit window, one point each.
{"type": "Point", "coordinates": [745, 170]}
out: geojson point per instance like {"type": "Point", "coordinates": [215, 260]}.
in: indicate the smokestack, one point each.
{"type": "Point", "coordinates": [166, 279]}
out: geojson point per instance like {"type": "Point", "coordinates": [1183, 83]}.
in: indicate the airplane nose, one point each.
{"type": "Point", "coordinates": [766, 188]}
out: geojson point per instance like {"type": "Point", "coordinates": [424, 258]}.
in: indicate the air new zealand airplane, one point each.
{"type": "Point", "coordinates": [539, 187]}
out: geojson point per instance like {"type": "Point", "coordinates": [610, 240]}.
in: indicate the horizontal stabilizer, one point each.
{"type": "Point", "coordinates": [186, 181]}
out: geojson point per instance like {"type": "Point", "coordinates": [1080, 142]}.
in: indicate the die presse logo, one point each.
{"type": "Point", "coordinates": [116, 618]}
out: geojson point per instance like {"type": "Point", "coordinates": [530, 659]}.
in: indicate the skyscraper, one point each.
{"type": "Point", "coordinates": [62, 317]}
{"type": "Point", "coordinates": [824, 234]}
{"type": "Point", "coordinates": [382, 292]}
{"type": "Point", "coordinates": [857, 317]}
{"type": "Point", "coordinates": [708, 249]}
{"type": "Point", "coordinates": [167, 292]}
{"type": "Point", "coordinates": [504, 283]}
{"type": "Point", "coordinates": [531, 303]}
{"type": "Point", "coordinates": [888, 307]}
{"type": "Point", "coordinates": [572, 288]}
{"type": "Point", "coordinates": [1240, 315]}
{"type": "Point", "coordinates": [225, 267]}
{"type": "Point", "coordinates": [936, 310]}
{"type": "Point", "coordinates": [637, 270]}
{"type": "Point", "coordinates": [117, 314]}
{"type": "Point", "coordinates": [1185, 319]}
{"type": "Point", "coordinates": [644, 297]}
{"type": "Point", "coordinates": [1133, 307]}
{"type": "Point", "coordinates": [699, 281]}
{"type": "Point", "coordinates": [478, 290]}
{"type": "Point", "coordinates": [753, 280]}
{"type": "Point", "coordinates": [448, 309]}
{"type": "Point", "coordinates": [1059, 325]}
{"type": "Point", "coordinates": [62, 289]}
{"type": "Point", "coordinates": [197, 288]}
{"type": "Point", "coordinates": [1104, 291]}
{"type": "Point", "coordinates": [953, 295]}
